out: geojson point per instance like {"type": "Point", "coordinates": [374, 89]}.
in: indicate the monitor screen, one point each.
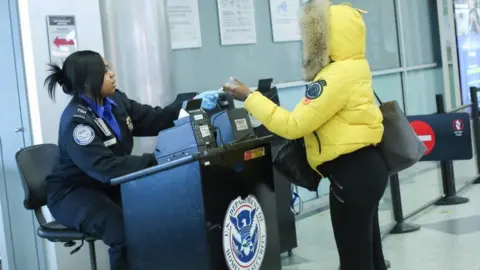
{"type": "Point", "coordinates": [194, 104]}
{"type": "Point", "coordinates": [265, 87]}
{"type": "Point", "coordinates": [467, 26]}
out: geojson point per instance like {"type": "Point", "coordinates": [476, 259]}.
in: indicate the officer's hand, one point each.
{"type": "Point", "coordinates": [237, 89]}
{"type": "Point", "coordinates": [209, 99]}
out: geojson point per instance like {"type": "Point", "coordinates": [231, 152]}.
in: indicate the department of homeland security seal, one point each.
{"type": "Point", "coordinates": [244, 234]}
{"type": "Point", "coordinates": [83, 135]}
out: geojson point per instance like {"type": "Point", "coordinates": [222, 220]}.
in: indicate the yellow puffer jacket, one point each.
{"type": "Point", "coordinates": [339, 114]}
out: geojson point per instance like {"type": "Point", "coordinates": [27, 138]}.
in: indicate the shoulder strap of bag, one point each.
{"type": "Point", "coordinates": [379, 100]}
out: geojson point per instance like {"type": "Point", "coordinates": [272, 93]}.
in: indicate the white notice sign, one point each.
{"type": "Point", "coordinates": [285, 20]}
{"type": "Point", "coordinates": [237, 22]}
{"type": "Point", "coordinates": [62, 37]}
{"type": "Point", "coordinates": [184, 21]}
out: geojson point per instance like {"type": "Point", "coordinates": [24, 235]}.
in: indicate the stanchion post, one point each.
{"type": "Point", "coordinates": [448, 175]}
{"type": "Point", "coordinates": [476, 127]}
{"type": "Point", "coordinates": [400, 227]}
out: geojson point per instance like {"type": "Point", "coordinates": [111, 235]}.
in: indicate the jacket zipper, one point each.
{"type": "Point", "coordinates": [336, 196]}
{"type": "Point", "coordinates": [335, 182]}
{"type": "Point", "coordinates": [318, 141]}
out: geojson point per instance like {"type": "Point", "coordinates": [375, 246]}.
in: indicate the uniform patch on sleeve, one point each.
{"type": "Point", "coordinates": [315, 89]}
{"type": "Point", "coordinates": [83, 135]}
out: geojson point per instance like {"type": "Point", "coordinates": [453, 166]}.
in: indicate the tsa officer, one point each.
{"type": "Point", "coordinates": [96, 140]}
{"type": "Point", "coordinates": [340, 124]}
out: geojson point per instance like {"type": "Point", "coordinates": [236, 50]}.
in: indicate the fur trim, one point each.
{"type": "Point", "coordinates": [314, 22]}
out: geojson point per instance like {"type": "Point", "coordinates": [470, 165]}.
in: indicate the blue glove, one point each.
{"type": "Point", "coordinates": [209, 99]}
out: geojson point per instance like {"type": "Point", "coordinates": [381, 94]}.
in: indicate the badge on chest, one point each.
{"type": "Point", "coordinates": [103, 127]}
{"type": "Point", "coordinates": [129, 123]}
{"type": "Point", "coordinates": [111, 140]}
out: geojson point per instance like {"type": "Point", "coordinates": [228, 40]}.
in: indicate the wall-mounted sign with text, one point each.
{"type": "Point", "coordinates": [62, 37]}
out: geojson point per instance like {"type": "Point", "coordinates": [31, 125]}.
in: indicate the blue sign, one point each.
{"type": "Point", "coordinates": [446, 136]}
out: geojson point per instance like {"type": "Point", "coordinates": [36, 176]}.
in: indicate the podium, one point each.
{"type": "Point", "coordinates": [214, 211]}
{"type": "Point", "coordinates": [283, 188]}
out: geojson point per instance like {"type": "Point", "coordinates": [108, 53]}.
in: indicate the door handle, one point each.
{"type": "Point", "coordinates": [20, 129]}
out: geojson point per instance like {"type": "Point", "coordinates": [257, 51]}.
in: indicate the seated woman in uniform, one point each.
{"type": "Point", "coordinates": [340, 124]}
{"type": "Point", "coordinates": [96, 140]}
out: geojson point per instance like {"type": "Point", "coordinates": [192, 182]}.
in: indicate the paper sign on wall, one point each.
{"type": "Point", "coordinates": [62, 37]}
{"type": "Point", "coordinates": [184, 21]}
{"type": "Point", "coordinates": [285, 20]}
{"type": "Point", "coordinates": [237, 22]}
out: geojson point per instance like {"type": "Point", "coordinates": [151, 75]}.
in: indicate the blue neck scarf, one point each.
{"type": "Point", "coordinates": [105, 112]}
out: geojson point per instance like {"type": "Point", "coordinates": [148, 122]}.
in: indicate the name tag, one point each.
{"type": "Point", "coordinates": [110, 142]}
{"type": "Point", "coordinates": [101, 124]}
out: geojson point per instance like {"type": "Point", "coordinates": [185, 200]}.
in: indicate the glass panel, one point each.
{"type": "Point", "coordinates": [421, 32]}
{"type": "Point", "coordinates": [382, 41]}
{"type": "Point", "coordinates": [448, 30]}
{"type": "Point", "coordinates": [451, 74]}
{"type": "Point", "coordinates": [389, 87]}
{"type": "Point", "coordinates": [421, 88]}
{"type": "Point", "coordinates": [421, 183]}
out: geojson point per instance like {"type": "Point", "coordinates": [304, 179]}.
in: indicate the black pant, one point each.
{"type": "Point", "coordinates": [358, 181]}
{"type": "Point", "coordinates": [97, 213]}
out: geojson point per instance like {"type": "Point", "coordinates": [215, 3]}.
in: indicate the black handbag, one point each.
{"type": "Point", "coordinates": [291, 161]}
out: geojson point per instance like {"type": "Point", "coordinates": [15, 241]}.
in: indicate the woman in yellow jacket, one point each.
{"type": "Point", "coordinates": [340, 123]}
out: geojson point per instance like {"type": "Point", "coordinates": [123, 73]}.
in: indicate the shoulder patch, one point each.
{"type": "Point", "coordinates": [81, 109]}
{"type": "Point", "coordinates": [83, 135]}
{"type": "Point", "coordinates": [81, 112]}
{"type": "Point", "coordinates": [315, 89]}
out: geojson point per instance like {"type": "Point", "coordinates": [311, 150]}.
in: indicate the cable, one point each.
{"type": "Point", "coordinates": [213, 124]}
{"type": "Point", "coordinates": [224, 146]}
{"type": "Point", "coordinates": [294, 199]}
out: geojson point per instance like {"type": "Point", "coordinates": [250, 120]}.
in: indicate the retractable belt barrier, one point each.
{"type": "Point", "coordinates": [448, 137]}
{"type": "Point", "coordinates": [452, 130]}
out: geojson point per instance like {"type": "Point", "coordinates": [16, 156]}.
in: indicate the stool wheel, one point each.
{"type": "Point", "coordinates": [69, 244]}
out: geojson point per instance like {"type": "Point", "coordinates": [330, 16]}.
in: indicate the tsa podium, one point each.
{"type": "Point", "coordinates": [212, 211]}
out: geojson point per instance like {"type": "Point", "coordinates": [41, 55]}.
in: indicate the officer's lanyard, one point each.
{"type": "Point", "coordinates": [100, 123]}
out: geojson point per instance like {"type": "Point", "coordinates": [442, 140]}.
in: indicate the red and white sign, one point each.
{"type": "Point", "coordinates": [425, 133]}
{"type": "Point", "coordinates": [458, 125]}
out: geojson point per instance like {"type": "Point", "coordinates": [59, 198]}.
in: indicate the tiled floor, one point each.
{"type": "Point", "coordinates": [448, 240]}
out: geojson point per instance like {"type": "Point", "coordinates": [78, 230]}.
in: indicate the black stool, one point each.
{"type": "Point", "coordinates": [34, 164]}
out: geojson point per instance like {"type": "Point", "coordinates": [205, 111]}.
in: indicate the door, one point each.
{"type": "Point", "coordinates": [19, 247]}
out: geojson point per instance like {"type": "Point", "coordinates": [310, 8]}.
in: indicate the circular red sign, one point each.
{"type": "Point", "coordinates": [425, 134]}
{"type": "Point", "coordinates": [458, 125]}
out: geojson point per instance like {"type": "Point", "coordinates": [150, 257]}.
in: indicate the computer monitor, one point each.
{"type": "Point", "coordinates": [193, 105]}
{"type": "Point", "coordinates": [265, 86]}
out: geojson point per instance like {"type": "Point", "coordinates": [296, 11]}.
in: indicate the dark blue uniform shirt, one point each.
{"type": "Point", "coordinates": [90, 153]}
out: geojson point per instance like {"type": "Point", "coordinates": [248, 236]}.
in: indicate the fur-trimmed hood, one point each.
{"type": "Point", "coordinates": [330, 33]}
